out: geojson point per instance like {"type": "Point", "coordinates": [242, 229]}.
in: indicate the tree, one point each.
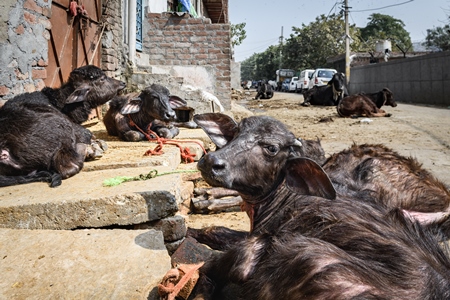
{"type": "Point", "coordinates": [384, 27]}
{"type": "Point", "coordinates": [238, 34]}
{"type": "Point", "coordinates": [261, 65]}
{"type": "Point", "coordinates": [311, 45]}
{"type": "Point", "coordinates": [438, 37]}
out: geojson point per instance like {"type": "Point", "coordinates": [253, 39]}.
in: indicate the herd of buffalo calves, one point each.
{"type": "Point", "coordinates": [365, 223]}
{"type": "Point", "coordinates": [41, 136]}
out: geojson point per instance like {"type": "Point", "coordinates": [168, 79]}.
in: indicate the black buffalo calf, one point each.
{"type": "Point", "coordinates": [320, 245]}
{"type": "Point", "coordinates": [131, 114]}
{"type": "Point", "coordinates": [39, 143]}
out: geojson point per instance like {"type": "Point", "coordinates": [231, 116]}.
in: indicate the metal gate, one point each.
{"type": "Point", "coordinates": [75, 38]}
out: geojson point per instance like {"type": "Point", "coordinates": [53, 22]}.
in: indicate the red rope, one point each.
{"type": "Point", "coordinates": [152, 136]}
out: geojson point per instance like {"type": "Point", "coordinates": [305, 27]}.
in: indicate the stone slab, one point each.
{"type": "Point", "coordinates": [82, 201]}
{"type": "Point", "coordinates": [81, 264]}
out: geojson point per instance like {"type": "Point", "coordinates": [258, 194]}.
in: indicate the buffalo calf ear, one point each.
{"type": "Point", "coordinates": [79, 95]}
{"type": "Point", "coordinates": [306, 177]}
{"type": "Point", "coordinates": [220, 128]}
{"type": "Point", "coordinates": [133, 106]}
{"type": "Point", "coordinates": [176, 102]}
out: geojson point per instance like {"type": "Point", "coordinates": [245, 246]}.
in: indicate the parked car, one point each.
{"type": "Point", "coordinates": [303, 80]}
{"type": "Point", "coordinates": [285, 85]}
{"type": "Point", "coordinates": [293, 84]}
{"type": "Point", "coordinates": [321, 77]}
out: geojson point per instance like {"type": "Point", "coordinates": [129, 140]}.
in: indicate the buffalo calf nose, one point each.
{"type": "Point", "coordinates": [217, 164]}
{"type": "Point", "coordinates": [170, 115]}
{"type": "Point", "coordinates": [211, 164]}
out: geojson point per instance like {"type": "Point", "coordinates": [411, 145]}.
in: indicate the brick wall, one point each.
{"type": "Point", "coordinates": [172, 40]}
{"type": "Point", "coordinates": [24, 35]}
{"type": "Point", "coordinates": [112, 39]}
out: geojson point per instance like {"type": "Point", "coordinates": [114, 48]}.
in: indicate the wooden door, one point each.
{"type": "Point", "coordinates": [74, 39]}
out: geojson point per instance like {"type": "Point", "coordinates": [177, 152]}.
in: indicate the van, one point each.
{"type": "Point", "coordinates": [303, 80]}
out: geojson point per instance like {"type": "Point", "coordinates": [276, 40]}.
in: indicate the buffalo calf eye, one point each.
{"type": "Point", "coordinates": [272, 149]}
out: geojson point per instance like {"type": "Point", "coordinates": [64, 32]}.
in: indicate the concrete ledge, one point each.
{"type": "Point", "coordinates": [82, 201]}
{"type": "Point", "coordinates": [131, 155]}
{"type": "Point", "coordinates": [81, 264]}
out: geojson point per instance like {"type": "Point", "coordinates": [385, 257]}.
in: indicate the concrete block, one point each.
{"type": "Point", "coordinates": [173, 228]}
{"type": "Point", "coordinates": [190, 252]}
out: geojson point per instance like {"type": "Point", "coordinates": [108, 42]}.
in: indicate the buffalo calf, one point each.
{"type": "Point", "coordinates": [86, 88]}
{"type": "Point", "coordinates": [366, 172]}
{"type": "Point", "coordinates": [264, 91]}
{"type": "Point", "coordinates": [308, 239]}
{"type": "Point", "coordinates": [39, 143]}
{"type": "Point", "coordinates": [131, 114]}
{"type": "Point", "coordinates": [327, 95]}
{"type": "Point", "coordinates": [395, 180]}
{"type": "Point", "coordinates": [359, 105]}
{"type": "Point", "coordinates": [321, 245]}
{"type": "Point", "coordinates": [383, 97]}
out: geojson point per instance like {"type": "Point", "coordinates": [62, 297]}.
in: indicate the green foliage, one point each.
{"type": "Point", "coordinates": [308, 46]}
{"type": "Point", "coordinates": [438, 37]}
{"type": "Point", "coordinates": [311, 45]}
{"type": "Point", "coordinates": [238, 34]}
{"type": "Point", "coordinates": [384, 27]}
{"type": "Point", "coordinates": [261, 65]}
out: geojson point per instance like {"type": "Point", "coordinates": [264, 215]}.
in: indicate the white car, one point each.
{"type": "Point", "coordinates": [303, 80]}
{"type": "Point", "coordinates": [321, 77]}
{"type": "Point", "coordinates": [293, 84]}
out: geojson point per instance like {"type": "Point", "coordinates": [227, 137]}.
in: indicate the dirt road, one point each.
{"type": "Point", "coordinates": [418, 131]}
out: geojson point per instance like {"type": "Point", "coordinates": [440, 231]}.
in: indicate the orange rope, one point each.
{"type": "Point", "coordinates": [152, 136]}
{"type": "Point", "coordinates": [168, 289]}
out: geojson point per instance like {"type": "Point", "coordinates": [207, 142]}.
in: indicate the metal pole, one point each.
{"type": "Point", "coordinates": [347, 44]}
{"type": "Point", "coordinates": [132, 32]}
{"type": "Point", "coordinates": [281, 46]}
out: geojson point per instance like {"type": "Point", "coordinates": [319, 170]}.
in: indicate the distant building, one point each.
{"type": "Point", "coordinates": [365, 58]}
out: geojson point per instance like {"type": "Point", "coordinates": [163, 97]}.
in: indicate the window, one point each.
{"type": "Point", "coordinates": [139, 25]}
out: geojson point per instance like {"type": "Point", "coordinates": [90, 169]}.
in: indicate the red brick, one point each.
{"type": "Point", "coordinates": [42, 63]}
{"type": "Point", "coordinates": [20, 29]}
{"type": "Point", "coordinates": [4, 90]}
{"type": "Point", "coordinates": [30, 18]}
{"type": "Point", "coordinates": [29, 87]}
{"type": "Point", "coordinates": [39, 73]}
{"type": "Point", "coordinates": [31, 5]}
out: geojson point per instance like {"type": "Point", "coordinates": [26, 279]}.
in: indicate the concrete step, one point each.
{"type": "Point", "coordinates": [83, 201]}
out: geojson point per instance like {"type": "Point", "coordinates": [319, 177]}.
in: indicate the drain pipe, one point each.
{"type": "Point", "coordinates": [132, 32]}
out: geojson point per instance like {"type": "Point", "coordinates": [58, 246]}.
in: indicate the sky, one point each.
{"type": "Point", "coordinates": [266, 20]}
